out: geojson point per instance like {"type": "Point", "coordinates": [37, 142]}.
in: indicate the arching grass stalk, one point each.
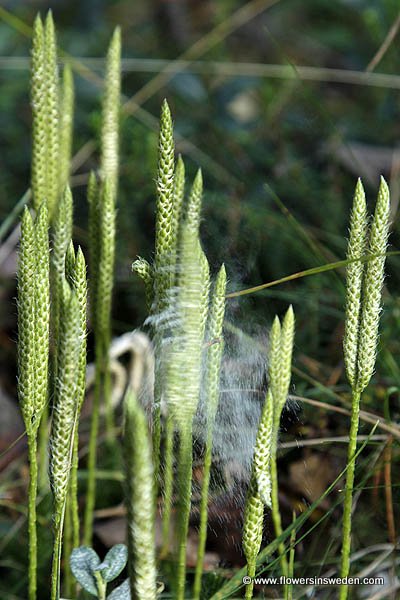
{"type": "Point", "coordinates": [211, 394]}
{"type": "Point", "coordinates": [64, 420]}
{"type": "Point", "coordinates": [280, 368]}
{"type": "Point", "coordinates": [33, 349]}
{"type": "Point", "coordinates": [139, 501]}
{"type": "Point", "coordinates": [363, 307]}
{"type": "Point", "coordinates": [102, 237]}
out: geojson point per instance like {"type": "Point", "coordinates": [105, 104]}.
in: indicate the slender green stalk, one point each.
{"type": "Point", "coordinates": [104, 250]}
{"type": "Point", "coordinates": [104, 296]}
{"type": "Point", "coordinates": [93, 199]}
{"type": "Point", "coordinates": [139, 502]}
{"type": "Point", "coordinates": [259, 492]}
{"type": "Point", "coordinates": [163, 276]}
{"type": "Point", "coordinates": [42, 312]}
{"type": "Point", "coordinates": [75, 273]}
{"type": "Point", "coordinates": [280, 367]}
{"type": "Point", "coordinates": [348, 498]}
{"type": "Point", "coordinates": [276, 514]}
{"type": "Point", "coordinates": [168, 483]}
{"type": "Point", "coordinates": [80, 286]}
{"type": "Point", "coordinates": [64, 420]}
{"type": "Point", "coordinates": [33, 344]}
{"type": "Point", "coordinates": [185, 494]}
{"type": "Point", "coordinates": [33, 477]}
{"type": "Point", "coordinates": [184, 373]}
{"type": "Point", "coordinates": [68, 581]}
{"type": "Point", "coordinates": [363, 307]}
{"type": "Point", "coordinates": [213, 367]}
{"type": "Point", "coordinates": [292, 554]}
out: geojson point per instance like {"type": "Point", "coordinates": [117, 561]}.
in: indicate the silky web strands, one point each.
{"type": "Point", "coordinates": [33, 351]}
{"type": "Point", "coordinates": [263, 487]}
{"type": "Point", "coordinates": [102, 197]}
{"type": "Point", "coordinates": [363, 307]}
{"type": "Point", "coordinates": [139, 501]}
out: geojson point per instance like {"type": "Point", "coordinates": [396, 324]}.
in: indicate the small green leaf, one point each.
{"type": "Point", "coordinates": [122, 592]}
{"type": "Point", "coordinates": [84, 562]}
{"type": "Point", "coordinates": [114, 562]}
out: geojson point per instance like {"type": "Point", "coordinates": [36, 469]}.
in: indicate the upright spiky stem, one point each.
{"type": "Point", "coordinates": [64, 420]}
{"type": "Point", "coordinates": [139, 502]}
{"type": "Point", "coordinates": [80, 286]}
{"type": "Point", "coordinates": [364, 299]}
{"type": "Point", "coordinates": [110, 114]}
{"type": "Point", "coordinates": [66, 127]}
{"type": "Point", "coordinates": [45, 115]}
{"type": "Point", "coordinates": [62, 233]}
{"type": "Point", "coordinates": [163, 277]}
{"type": "Point", "coordinates": [38, 103]}
{"type": "Point", "coordinates": [42, 286]}
{"type": "Point", "coordinates": [280, 366]}
{"type": "Point", "coordinates": [75, 273]}
{"type": "Point", "coordinates": [259, 492]}
{"type": "Point", "coordinates": [105, 247]}
{"type": "Point", "coordinates": [26, 375]}
{"type": "Point", "coordinates": [104, 294]}
{"type": "Point", "coordinates": [184, 371]}
{"type": "Point", "coordinates": [184, 495]}
{"type": "Point", "coordinates": [168, 473]}
{"type": "Point", "coordinates": [213, 366]}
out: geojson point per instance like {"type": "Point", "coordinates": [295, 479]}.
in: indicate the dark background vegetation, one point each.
{"type": "Point", "coordinates": [280, 157]}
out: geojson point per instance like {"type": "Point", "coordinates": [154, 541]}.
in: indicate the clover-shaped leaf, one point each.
{"type": "Point", "coordinates": [84, 562]}
{"type": "Point", "coordinates": [114, 562]}
{"type": "Point", "coordinates": [122, 592]}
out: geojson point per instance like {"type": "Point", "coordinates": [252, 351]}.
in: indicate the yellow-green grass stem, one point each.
{"type": "Point", "coordinates": [348, 496]}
